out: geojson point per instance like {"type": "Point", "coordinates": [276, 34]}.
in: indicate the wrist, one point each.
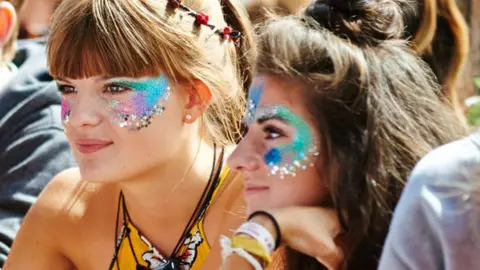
{"type": "Point", "coordinates": [267, 223]}
{"type": "Point", "coordinates": [270, 223]}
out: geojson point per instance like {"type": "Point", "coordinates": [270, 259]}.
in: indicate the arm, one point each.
{"type": "Point", "coordinates": [309, 230]}
{"type": "Point", "coordinates": [33, 151]}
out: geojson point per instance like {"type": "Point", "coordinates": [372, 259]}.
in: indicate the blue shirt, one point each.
{"type": "Point", "coordinates": [436, 222]}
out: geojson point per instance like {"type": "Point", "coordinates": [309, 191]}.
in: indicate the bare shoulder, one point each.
{"type": "Point", "coordinates": [55, 222]}
{"type": "Point", "coordinates": [67, 195]}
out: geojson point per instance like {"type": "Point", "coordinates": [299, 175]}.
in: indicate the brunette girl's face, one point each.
{"type": "Point", "coordinates": [278, 153]}
{"type": "Point", "coordinates": [119, 127]}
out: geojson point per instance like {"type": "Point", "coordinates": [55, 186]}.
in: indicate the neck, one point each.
{"type": "Point", "coordinates": [175, 187]}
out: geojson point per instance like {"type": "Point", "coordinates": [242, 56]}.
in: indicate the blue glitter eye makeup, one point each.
{"type": "Point", "coordinates": [137, 112]}
{"type": "Point", "coordinates": [288, 158]}
{"type": "Point", "coordinates": [131, 103]}
{"type": "Point", "coordinates": [254, 96]}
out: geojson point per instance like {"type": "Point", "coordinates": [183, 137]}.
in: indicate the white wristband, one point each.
{"type": "Point", "coordinates": [259, 233]}
{"type": "Point", "coordinates": [227, 250]}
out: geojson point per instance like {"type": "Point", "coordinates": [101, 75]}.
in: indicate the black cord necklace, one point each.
{"type": "Point", "coordinates": [174, 262]}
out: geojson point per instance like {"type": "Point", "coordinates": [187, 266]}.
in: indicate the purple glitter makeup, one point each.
{"type": "Point", "coordinates": [66, 110]}
{"type": "Point", "coordinates": [137, 112]}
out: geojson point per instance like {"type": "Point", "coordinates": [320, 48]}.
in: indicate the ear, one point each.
{"type": "Point", "coordinates": [199, 98]}
{"type": "Point", "coordinates": [8, 20]}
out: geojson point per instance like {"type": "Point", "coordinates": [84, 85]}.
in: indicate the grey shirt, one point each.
{"type": "Point", "coordinates": [33, 146]}
{"type": "Point", "coordinates": [436, 222]}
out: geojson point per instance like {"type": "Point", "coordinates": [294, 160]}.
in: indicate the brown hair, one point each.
{"type": "Point", "coordinates": [439, 33]}
{"type": "Point", "coordinates": [375, 105]}
{"type": "Point", "coordinates": [138, 38]}
{"type": "Point", "coordinates": [9, 47]}
{"type": "Point", "coordinates": [258, 10]}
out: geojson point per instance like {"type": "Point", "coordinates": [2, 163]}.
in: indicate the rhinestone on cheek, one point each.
{"type": "Point", "coordinates": [137, 122]}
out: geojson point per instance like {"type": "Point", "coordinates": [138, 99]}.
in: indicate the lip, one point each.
{"type": "Point", "coordinates": [255, 190]}
{"type": "Point", "coordinates": [90, 146]}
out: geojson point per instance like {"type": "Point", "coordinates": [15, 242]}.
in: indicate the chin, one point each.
{"type": "Point", "coordinates": [96, 175]}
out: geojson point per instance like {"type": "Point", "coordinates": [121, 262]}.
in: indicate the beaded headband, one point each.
{"type": "Point", "coordinates": [201, 18]}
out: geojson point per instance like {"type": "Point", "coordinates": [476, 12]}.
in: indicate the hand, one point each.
{"type": "Point", "coordinates": [309, 230]}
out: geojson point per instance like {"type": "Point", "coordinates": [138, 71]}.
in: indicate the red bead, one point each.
{"type": "Point", "coordinates": [226, 32]}
{"type": "Point", "coordinates": [202, 18]}
{"type": "Point", "coordinates": [176, 3]}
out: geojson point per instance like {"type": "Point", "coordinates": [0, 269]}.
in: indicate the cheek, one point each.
{"type": "Point", "coordinates": [156, 143]}
{"type": "Point", "coordinates": [306, 189]}
{"type": "Point", "coordinates": [137, 111]}
{"type": "Point", "coordinates": [66, 109]}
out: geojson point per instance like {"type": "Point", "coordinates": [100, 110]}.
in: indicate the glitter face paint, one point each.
{"type": "Point", "coordinates": [66, 110]}
{"type": "Point", "coordinates": [287, 159]}
{"type": "Point", "coordinates": [133, 108]}
{"type": "Point", "coordinates": [254, 96]}
{"type": "Point", "coordinates": [137, 111]}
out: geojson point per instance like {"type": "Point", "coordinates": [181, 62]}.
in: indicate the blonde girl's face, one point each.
{"type": "Point", "coordinates": [121, 127]}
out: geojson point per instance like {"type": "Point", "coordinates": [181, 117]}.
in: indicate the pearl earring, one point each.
{"type": "Point", "coordinates": [188, 117]}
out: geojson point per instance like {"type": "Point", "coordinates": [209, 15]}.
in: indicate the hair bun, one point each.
{"type": "Point", "coordinates": [362, 21]}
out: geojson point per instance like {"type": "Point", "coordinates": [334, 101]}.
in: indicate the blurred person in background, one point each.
{"type": "Point", "coordinates": [33, 146]}
{"type": "Point", "coordinates": [439, 34]}
{"type": "Point", "coordinates": [436, 29]}
{"type": "Point", "coordinates": [35, 18]}
{"type": "Point", "coordinates": [436, 223]}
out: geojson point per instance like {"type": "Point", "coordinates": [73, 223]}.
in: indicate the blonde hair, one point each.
{"type": "Point", "coordinates": [9, 47]}
{"type": "Point", "coordinates": [137, 38]}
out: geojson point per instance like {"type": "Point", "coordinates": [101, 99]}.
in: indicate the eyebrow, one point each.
{"type": "Point", "coordinates": [263, 118]}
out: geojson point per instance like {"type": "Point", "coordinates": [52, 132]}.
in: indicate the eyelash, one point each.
{"type": "Point", "coordinates": [108, 89]}
{"type": "Point", "coordinates": [62, 89]}
{"type": "Point", "coordinates": [270, 130]}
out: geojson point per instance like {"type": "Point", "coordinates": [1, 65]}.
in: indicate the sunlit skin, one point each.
{"type": "Point", "coordinates": [93, 120]}
{"type": "Point", "coordinates": [269, 130]}
{"type": "Point", "coordinates": [278, 122]}
{"type": "Point", "coordinates": [162, 169]}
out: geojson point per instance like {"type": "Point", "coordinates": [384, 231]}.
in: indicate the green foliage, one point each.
{"type": "Point", "coordinates": [477, 82]}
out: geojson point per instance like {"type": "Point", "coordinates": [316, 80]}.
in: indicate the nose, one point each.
{"type": "Point", "coordinates": [85, 112]}
{"type": "Point", "coordinates": [246, 157]}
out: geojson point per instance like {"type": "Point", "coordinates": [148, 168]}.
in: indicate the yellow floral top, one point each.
{"type": "Point", "coordinates": [136, 252]}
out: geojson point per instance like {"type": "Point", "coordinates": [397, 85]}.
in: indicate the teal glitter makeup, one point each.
{"type": "Point", "coordinates": [137, 112]}
{"type": "Point", "coordinates": [286, 159]}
